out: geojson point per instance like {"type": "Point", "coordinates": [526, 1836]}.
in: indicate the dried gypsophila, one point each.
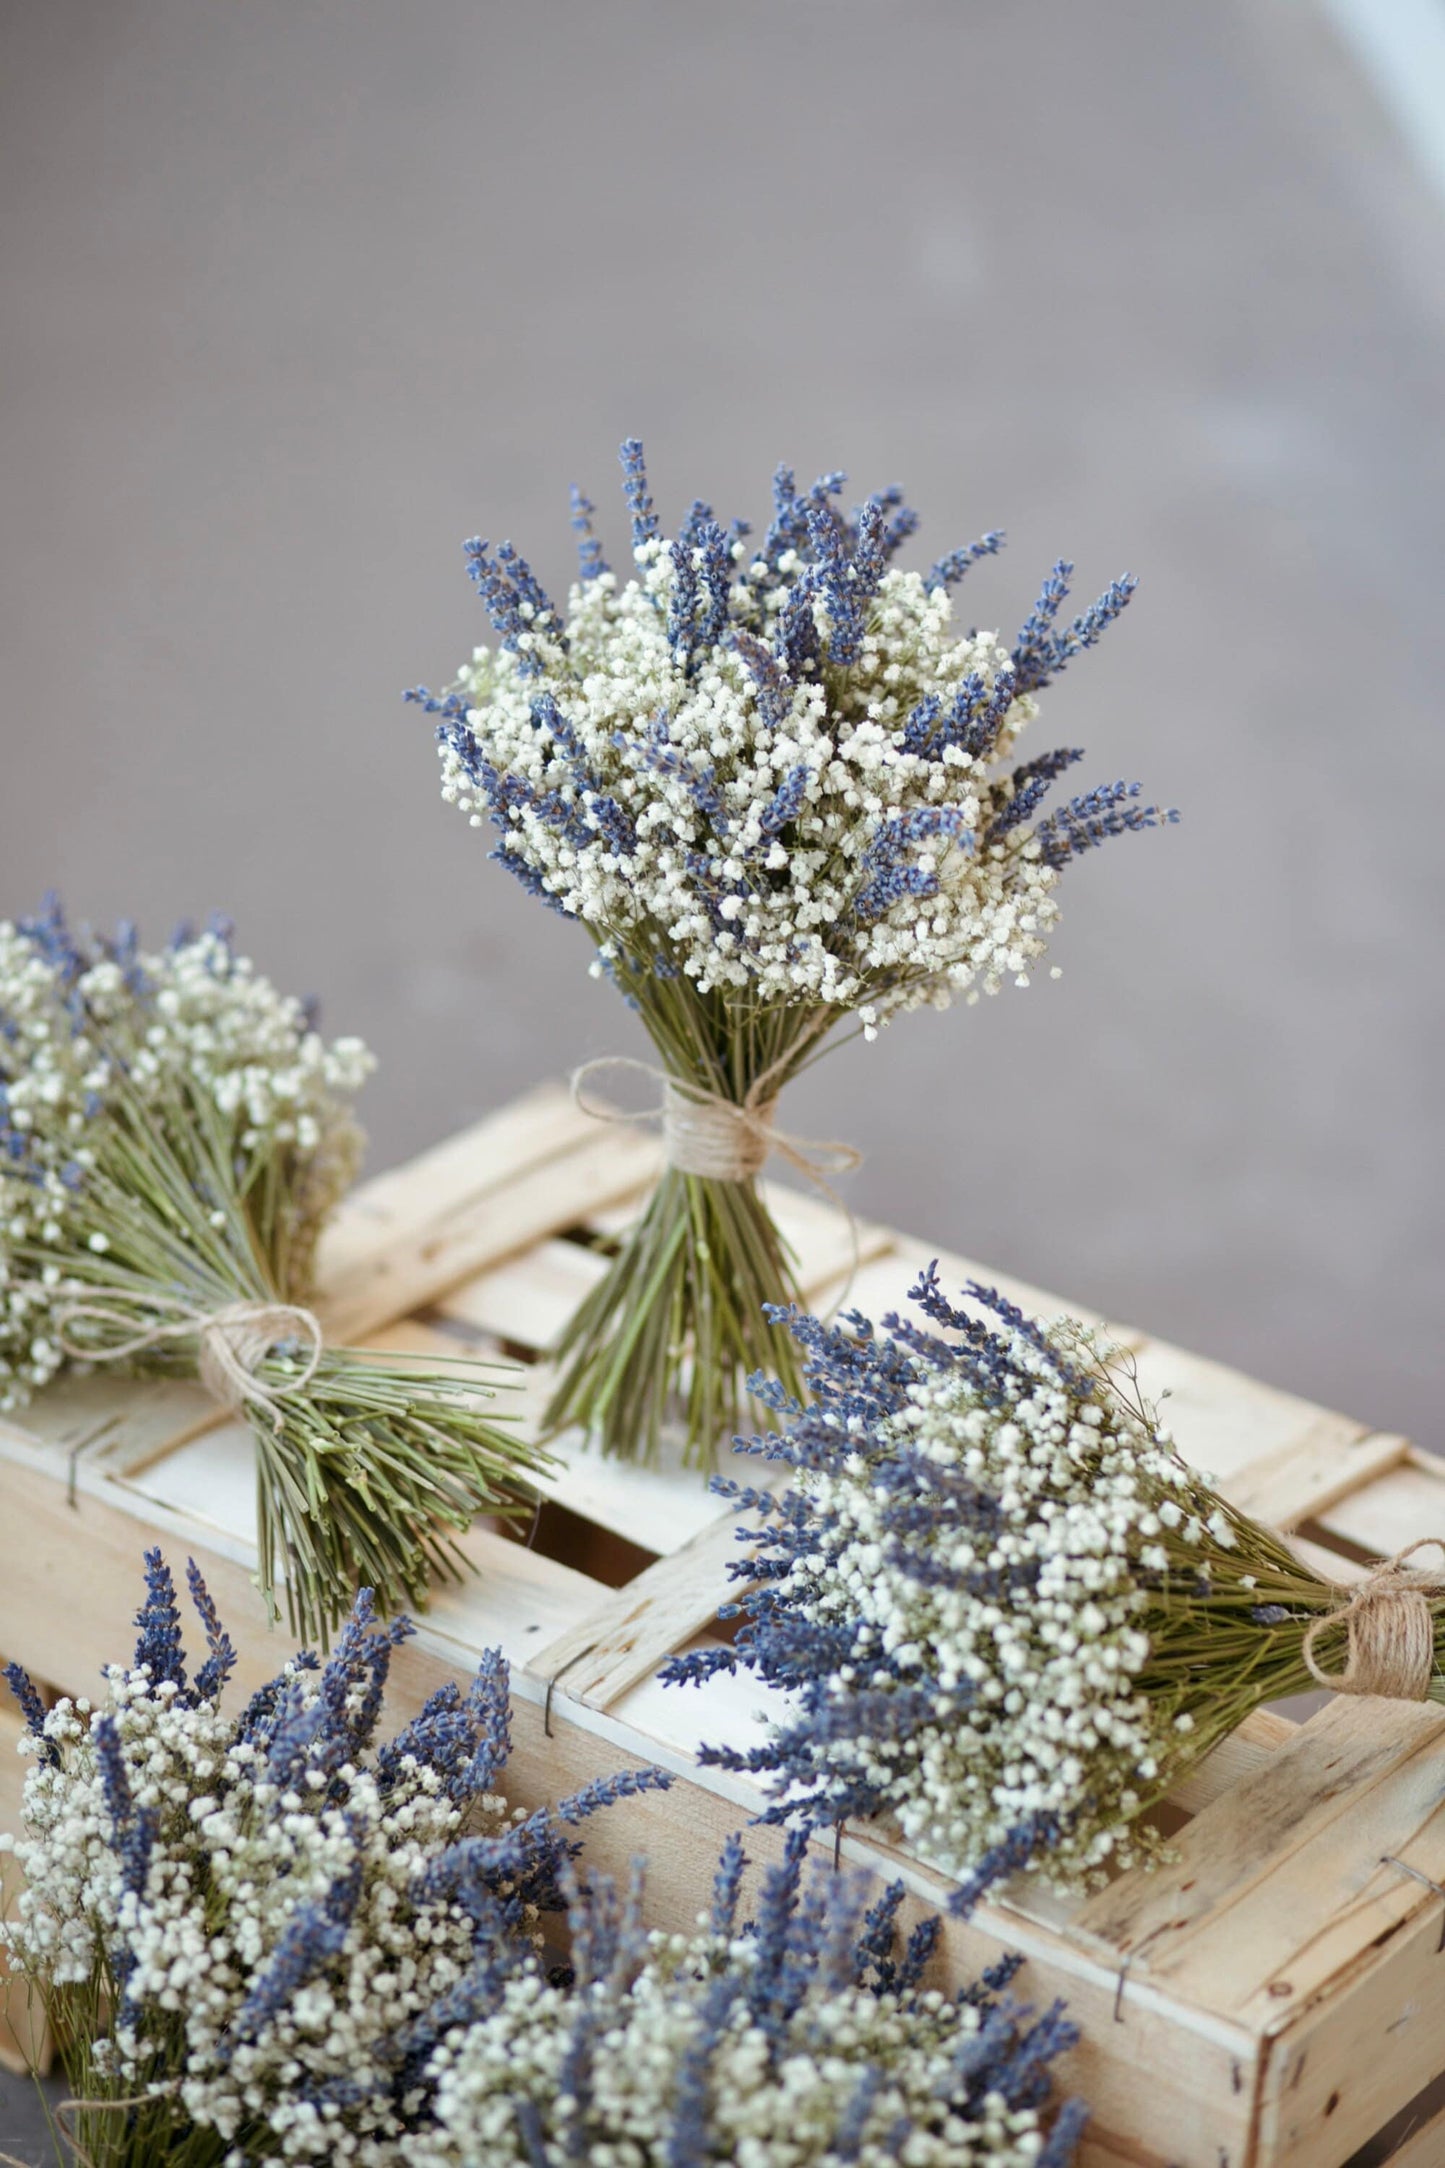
{"type": "Point", "coordinates": [262, 1924]}
{"type": "Point", "coordinates": [773, 782]}
{"type": "Point", "coordinates": [174, 1134]}
{"type": "Point", "coordinates": [1006, 1612]}
{"type": "Point", "coordinates": [800, 2038]}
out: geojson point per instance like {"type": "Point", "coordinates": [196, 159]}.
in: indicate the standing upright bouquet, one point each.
{"type": "Point", "coordinates": [773, 781]}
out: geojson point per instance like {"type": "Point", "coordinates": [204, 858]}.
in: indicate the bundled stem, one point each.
{"type": "Point", "coordinates": [678, 1324]}
{"type": "Point", "coordinates": [366, 1470]}
{"type": "Point", "coordinates": [174, 1134]}
{"type": "Point", "coordinates": [1003, 1609]}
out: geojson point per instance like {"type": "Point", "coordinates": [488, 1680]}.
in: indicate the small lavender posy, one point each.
{"type": "Point", "coordinates": [776, 784]}
{"type": "Point", "coordinates": [1005, 1611]}
{"type": "Point", "coordinates": [267, 1923]}
{"type": "Point", "coordinates": [801, 2038]}
{"type": "Point", "coordinates": [174, 1135]}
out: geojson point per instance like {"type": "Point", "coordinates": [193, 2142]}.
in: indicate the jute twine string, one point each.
{"type": "Point", "coordinates": [64, 2110]}
{"type": "Point", "coordinates": [1389, 1630]}
{"type": "Point", "coordinates": [721, 1139]}
{"type": "Point", "coordinates": [728, 1140]}
{"type": "Point", "coordinates": [234, 1341]}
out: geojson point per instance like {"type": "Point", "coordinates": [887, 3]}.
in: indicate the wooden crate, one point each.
{"type": "Point", "coordinates": [1275, 1996]}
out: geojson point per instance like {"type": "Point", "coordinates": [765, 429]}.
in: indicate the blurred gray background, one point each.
{"type": "Point", "coordinates": [299, 293]}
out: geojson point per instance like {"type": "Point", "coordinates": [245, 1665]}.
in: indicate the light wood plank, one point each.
{"type": "Point", "coordinates": [1354, 2058]}
{"type": "Point", "coordinates": [1402, 1506]}
{"type": "Point", "coordinates": [400, 1202]}
{"type": "Point", "coordinates": [1279, 1880]}
{"type": "Point", "coordinates": [529, 1299]}
{"type": "Point", "coordinates": [1235, 1758]}
{"type": "Point", "coordinates": [504, 1209]}
{"type": "Point", "coordinates": [70, 1585]}
{"type": "Point", "coordinates": [1304, 1480]}
{"type": "Point", "coordinates": [626, 1638]}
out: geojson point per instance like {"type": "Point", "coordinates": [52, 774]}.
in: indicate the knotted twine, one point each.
{"type": "Point", "coordinates": [1389, 1631]}
{"type": "Point", "coordinates": [723, 1140]}
{"type": "Point", "coordinates": [729, 1140]}
{"type": "Point", "coordinates": [233, 1342]}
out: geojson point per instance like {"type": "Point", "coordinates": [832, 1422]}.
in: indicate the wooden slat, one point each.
{"type": "Point", "coordinates": [111, 1421]}
{"type": "Point", "coordinates": [1304, 1480]}
{"type": "Point", "coordinates": [1235, 1758]}
{"type": "Point", "coordinates": [530, 1298]}
{"type": "Point", "coordinates": [626, 1639]}
{"type": "Point", "coordinates": [1261, 1898]}
{"type": "Point", "coordinates": [1225, 1423]}
{"type": "Point", "coordinates": [501, 1210]}
{"type": "Point", "coordinates": [1402, 1506]}
{"type": "Point", "coordinates": [400, 1203]}
{"type": "Point", "coordinates": [1357, 2055]}
{"type": "Point", "coordinates": [517, 1600]}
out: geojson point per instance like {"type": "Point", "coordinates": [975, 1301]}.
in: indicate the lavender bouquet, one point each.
{"type": "Point", "coordinates": [800, 2038]}
{"type": "Point", "coordinates": [267, 1938]}
{"type": "Point", "coordinates": [173, 1135]}
{"type": "Point", "coordinates": [1006, 1612]}
{"type": "Point", "coordinates": [775, 783]}
{"type": "Point", "coordinates": [251, 1932]}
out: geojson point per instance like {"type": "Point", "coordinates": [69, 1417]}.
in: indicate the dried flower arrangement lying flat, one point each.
{"type": "Point", "coordinates": [270, 1939]}
{"type": "Point", "coordinates": [773, 782]}
{"type": "Point", "coordinates": [173, 1136]}
{"type": "Point", "coordinates": [1006, 1611]}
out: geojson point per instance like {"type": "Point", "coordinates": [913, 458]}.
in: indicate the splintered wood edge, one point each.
{"type": "Point", "coordinates": [628, 1637]}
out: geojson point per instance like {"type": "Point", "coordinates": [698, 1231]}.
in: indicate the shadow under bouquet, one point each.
{"type": "Point", "coordinates": [1006, 1613]}
{"type": "Point", "coordinates": [173, 1137]}
{"type": "Point", "coordinates": [775, 783]}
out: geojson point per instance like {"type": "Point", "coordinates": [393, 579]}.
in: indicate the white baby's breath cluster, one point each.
{"type": "Point", "coordinates": [235, 1859]}
{"type": "Point", "coordinates": [1026, 1617]}
{"type": "Point", "coordinates": [769, 2104]}
{"type": "Point", "coordinates": [789, 932]}
{"type": "Point", "coordinates": [96, 1034]}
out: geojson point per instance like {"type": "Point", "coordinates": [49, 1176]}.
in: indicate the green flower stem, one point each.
{"type": "Point", "coordinates": [677, 1326]}
{"type": "Point", "coordinates": [368, 1470]}
{"type": "Point", "coordinates": [678, 1323]}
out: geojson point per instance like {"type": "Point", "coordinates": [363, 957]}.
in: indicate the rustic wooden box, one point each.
{"type": "Point", "coordinates": [1273, 1999]}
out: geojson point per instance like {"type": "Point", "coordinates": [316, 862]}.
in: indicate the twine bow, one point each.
{"type": "Point", "coordinates": [234, 1341]}
{"type": "Point", "coordinates": [729, 1140]}
{"type": "Point", "coordinates": [722, 1139]}
{"type": "Point", "coordinates": [1389, 1631]}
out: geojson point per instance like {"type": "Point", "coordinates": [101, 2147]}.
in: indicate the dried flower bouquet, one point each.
{"type": "Point", "coordinates": [269, 1938]}
{"type": "Point", "coordinates": [774, 783]}
{"type": "Point", "coordinates": [1004, 1609]}
{"type": "Point", "coordinates": [253, 1929]}
{"type": "Point", "coordinates": [173, 1136]}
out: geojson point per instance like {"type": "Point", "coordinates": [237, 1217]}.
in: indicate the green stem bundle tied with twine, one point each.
{"type": "Point", "coordinates": [682, 1310]}
{"type": "Point", "coordinates": [773, 780]}
{"type": "Point", "coordinates": [999, 1607]}
{"type": "Point", "coordinates": [173, 1137]}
